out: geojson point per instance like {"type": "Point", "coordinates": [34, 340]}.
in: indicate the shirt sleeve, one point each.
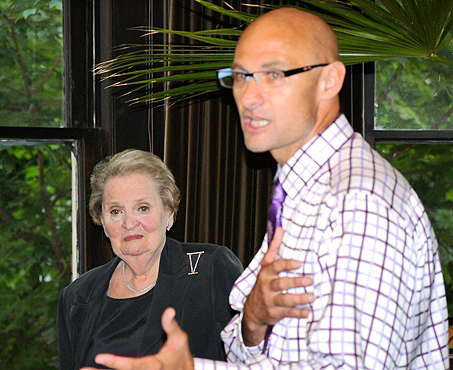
{"type": "Point", "coordinates": [226, 268]}
{"type": "Point", "coordinates": [236, 350]}
{"type": "Point", "coordinates": [374, 283]}
{"type": "Point", "coordinates": [374, 287]}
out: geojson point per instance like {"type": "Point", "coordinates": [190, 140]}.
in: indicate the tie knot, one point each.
{"type": "Point", "coordinates": [278, 194]}
{"type": "Point", "coordinates": [275, 211]}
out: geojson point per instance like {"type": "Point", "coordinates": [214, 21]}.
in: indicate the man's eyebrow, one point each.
{"type": "Point", "coordinates": [273, 63]}
{"type": "Point", "coordinates": [270, 64]}
{"type": "Point", "coordinates": [236, 66]}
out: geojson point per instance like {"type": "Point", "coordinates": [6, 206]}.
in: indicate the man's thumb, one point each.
{"type": "Point", "coordinates": [274, 246]}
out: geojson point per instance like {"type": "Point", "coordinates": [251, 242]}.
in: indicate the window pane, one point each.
{"type": "Point", "coordinates": [31, 63]}
{"type": "Point", "coordinates": [415, 94]}
{"type": "Point", "coordinates": [429, 169]}
{"type": "Point", "coordinates": [35, 249]}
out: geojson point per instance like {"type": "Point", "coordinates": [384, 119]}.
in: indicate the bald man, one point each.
{"type": "Point", "coordinates": [352, 279]}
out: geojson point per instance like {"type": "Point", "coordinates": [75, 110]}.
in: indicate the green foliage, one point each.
{"type": "Point", "coordinates": [31, 60]}
{"type": "Point", "coordinates": [35, 192]}
{"type": "Point", "coordinates": [429, 169]}
{"type": "Point", "coordinates": [418, 94]}
{"type": "Point", "coordinates": [415, 93]}
{"type": "Point", "coordinates": [35, 245]}
{"type": "Point", "coordinates": [366, 30]}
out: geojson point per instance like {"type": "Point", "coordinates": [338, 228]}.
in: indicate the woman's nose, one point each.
{"type": "Point", "coordinates": [130, 221]}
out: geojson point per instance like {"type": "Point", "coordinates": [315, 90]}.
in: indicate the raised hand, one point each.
{"type": "Point", "coordinates": [266, 303]}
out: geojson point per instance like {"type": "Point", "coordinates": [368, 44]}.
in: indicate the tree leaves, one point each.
{"type": "Point", "coordinates": [429, 169]}
{"type": "Point", "coordinates": [366, 31]}
{"type": "Point", "coordinates": [31, 82]}
{"type": "Point", "coordinates": [35, 264]}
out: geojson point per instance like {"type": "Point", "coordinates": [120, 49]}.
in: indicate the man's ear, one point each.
{"type": "Point", "coordinates": [333, 77]}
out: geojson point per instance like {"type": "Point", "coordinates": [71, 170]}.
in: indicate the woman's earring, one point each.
{"type": "Point", "coordinates": [169, 225]}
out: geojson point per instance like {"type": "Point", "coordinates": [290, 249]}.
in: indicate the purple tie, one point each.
{"type": "Point", "coordinates": [275, 211]}
{"type": "Point", "coordinates": [274, 221]}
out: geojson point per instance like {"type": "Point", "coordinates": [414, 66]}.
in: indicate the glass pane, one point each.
{"type": "Point", "coordinates": [31, 63]}
{"type": "Point", "coordinates": [429, 169]}
{"type": "Point", "coordinates": [35, 250]}
{"type": "Point", "coordinates": [415, 94]}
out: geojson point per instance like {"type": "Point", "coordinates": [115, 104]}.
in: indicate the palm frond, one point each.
{"type": "Point", "coordinates": [366, 31]}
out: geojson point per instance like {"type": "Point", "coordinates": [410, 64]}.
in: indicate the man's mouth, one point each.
{"type": "Point", "coordinates": [258, 122]}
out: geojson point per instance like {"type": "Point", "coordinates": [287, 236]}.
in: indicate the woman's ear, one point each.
{"type": "Point", "coordinates": [333, 77]}
{"type": "Point", "coordinates": [103, 226]}
{"type": "Point", "coordinates": [170, 220]}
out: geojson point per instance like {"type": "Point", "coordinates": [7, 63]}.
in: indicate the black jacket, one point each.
{"type": "Point", "coordinates": [200, 300]}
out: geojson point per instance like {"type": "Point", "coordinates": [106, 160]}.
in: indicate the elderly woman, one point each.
{"type": "Point", "coordinates": [117, 308]}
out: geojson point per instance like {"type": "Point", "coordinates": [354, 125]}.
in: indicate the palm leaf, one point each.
{"type": "Point", "coordinates": [366, 32]}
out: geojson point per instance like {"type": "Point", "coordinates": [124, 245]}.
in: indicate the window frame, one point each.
{"type": "Point", "coordinates": [79, 128]}
{"type": "Point", "coordinates": [373, 136]}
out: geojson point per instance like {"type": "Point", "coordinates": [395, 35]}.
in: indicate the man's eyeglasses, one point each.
{"type": "Point", "coordinates": [230, 78]}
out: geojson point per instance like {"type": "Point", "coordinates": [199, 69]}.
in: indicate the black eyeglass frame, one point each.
{"type": "Point", "coordinates": [286, 73]}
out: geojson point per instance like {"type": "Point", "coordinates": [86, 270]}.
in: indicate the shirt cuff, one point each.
{"type": "Point", "coordinates": [252, 351]}
{"type": "Point", "coordinates": [203, 364]}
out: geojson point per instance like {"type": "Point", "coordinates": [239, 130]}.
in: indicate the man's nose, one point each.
{"type": "Point", "coordinates": [252, 94]}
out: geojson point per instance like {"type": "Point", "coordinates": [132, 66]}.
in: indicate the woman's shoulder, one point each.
{"type": "Point", "coordinates": [217, 257]}
{"type": "Point", "coordinates": [213, 253]}
{"type": "Point", "coordinates": [88, 279]}
{"type": "Point", "coordinates": [211, 250]}
{"type": "Point", "coordinates": [205, 247]}
{"type": "Point", "coordinates": [190, 247]}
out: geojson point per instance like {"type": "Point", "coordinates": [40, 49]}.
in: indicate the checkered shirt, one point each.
{"type": "Point", "coordinates": [364, 237]}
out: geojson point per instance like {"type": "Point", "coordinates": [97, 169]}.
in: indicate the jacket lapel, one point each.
{"type": "Point", "coordinates": [86, 308]}
{"type": "Point", "coordinates": [170, 291]}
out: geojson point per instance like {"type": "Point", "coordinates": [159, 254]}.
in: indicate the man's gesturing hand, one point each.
{"type": "Point", "coordinates": [174, 354]}
{"type": "Point", "coordinates": [266, 303]}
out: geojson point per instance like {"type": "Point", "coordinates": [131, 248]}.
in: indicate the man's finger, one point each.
{"type": "Point", "coordinates": [274, 246]}
{"type": "Point", "coordinates": [175, 353]}
{"type": "Point", "coordinates": [176, 337]}
{"type": "Point", "coordinates": [128, 363]}
{"type": "Point", "coordinates": [277, 266]}
{"type": "Point", "coordinates": [293, 300]}
{"type": "Point", "coordinates": [298, 313]}
{"type": "Point", "coordinates": [115, 362]}
{"type": "Point", "coordinates": [169, 323]}
{"type": "Point", "coordinates": [285, 283]}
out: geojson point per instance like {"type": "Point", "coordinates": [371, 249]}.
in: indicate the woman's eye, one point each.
{"type": "Point", "coordinates": [115, 212]}
{"type": "Point", "coordinates": [143, 209]}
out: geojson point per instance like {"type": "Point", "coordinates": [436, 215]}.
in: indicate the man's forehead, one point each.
{"type": "Point", "coordinates": [268, 52]}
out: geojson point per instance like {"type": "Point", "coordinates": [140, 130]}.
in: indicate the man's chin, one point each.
{"type": "Point", "coordinates": [256, 148]}
{"type": "Point", "coordinates": [255, 144]}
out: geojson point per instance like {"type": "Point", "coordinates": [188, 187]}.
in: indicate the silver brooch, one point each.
{"type": "Point", "coordinates": [193, 267]}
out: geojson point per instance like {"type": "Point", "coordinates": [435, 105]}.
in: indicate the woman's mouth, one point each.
{"type": "Point", "coordinates": [130, 238]}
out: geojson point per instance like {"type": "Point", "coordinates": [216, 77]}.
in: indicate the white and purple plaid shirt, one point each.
{"type": "Point", "coordinates": [364, 237]}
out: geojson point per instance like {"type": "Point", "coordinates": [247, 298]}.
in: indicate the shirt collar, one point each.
{"type": "Point", "coordinates": [303, 165]}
